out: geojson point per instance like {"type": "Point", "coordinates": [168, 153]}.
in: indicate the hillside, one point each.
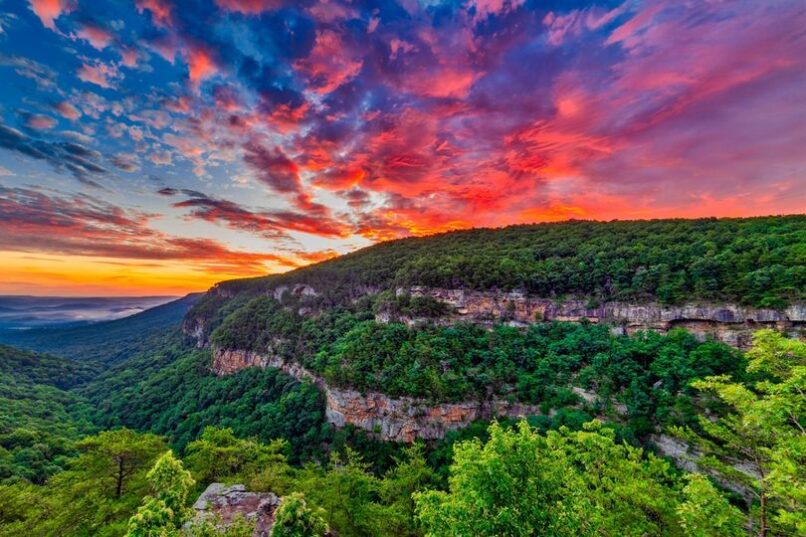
{"type": "Point", "coordinates": [106, 342]}
{"type": "Point", "coordinates": [39, 419]}
{"type": "Point", "coordinates": [756, 262]}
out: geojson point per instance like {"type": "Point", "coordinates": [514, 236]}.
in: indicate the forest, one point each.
{"type": "Point", "coordinates": [750, 261]}
{"type": "Point", "coordinates": [176, 428]}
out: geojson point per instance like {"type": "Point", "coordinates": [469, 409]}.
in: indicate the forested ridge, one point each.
{"type": "Point", "coordinates": [121, 440]}
{"type": "Point", "coordinates": [751, 261]}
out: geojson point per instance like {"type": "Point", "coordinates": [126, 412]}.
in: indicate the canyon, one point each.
{"type": "Point", "coordinates": [405, 419]}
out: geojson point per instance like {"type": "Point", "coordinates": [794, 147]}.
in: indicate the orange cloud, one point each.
{"type": "Point", "coordinates": [201, 64]}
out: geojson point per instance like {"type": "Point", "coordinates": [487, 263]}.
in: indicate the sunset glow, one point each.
{"type": "Point", "coordinates": [157, 147]}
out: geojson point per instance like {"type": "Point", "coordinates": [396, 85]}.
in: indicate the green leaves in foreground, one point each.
{"type": "Point", "coordinates": [564, 483]}
{"type": "Point", "coordinates": [295, 519]}
{"type": "Point", "coordinates": [759, 445]}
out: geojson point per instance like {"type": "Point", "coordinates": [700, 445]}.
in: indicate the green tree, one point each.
{"type": "Point", "coordinates": [706, 513]}
{"type": "Point", "coordinates": [219, 455]}
{"type": "Point", "coordinates": [162, 514]}
{"type": "Point", "coordinates": [295, 519]}
{"type": "Point", "coordinates": [395, 513]}
{"type": "Point", "coordinates": [563, 483]}
{"type": "Point", "coordinates": [116, 456]}
{"type": "Point", "coordinates": [759, 444]}
{"type": "Point", "coordinates": [96, 495]}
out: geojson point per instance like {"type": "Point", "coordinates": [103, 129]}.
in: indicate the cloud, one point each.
{"type": "Point", "coordinates": [127, 163]}
{"type": "Point", "coordinates": [98, 37]}
{"type": "Point", "coordinates": [53, 222]}
{"type": "Point", "coordinates": [37, 122]}
{"type": "Point", "coordinates": [44, 77]}
{"type": "Point", "coordinates": [67, 110]}
{"type": "Point", "coordinates": [248, 7]}
{"type": "Point", "coordinates": [161, 11]}
{"type": "Point", "coordinates": [100, 74]}
{"type": "Point", "coordinates": [50, 10]}
{"type": "Point", "coordinates": [269, 224]}
{"type": "Point", "coordinates": [330, 64]}
{"type": "Point", "coordinates": [75, 158]}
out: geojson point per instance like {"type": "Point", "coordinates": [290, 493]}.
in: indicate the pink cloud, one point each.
{"type": "Point", "coordinates": [248, 7]}
{"type": "Point", "coordinates": [161, 11]}
{"type": "Point", "coordinates": [98, 37]}
{"type": "Point", "coordinates": [50, 10]}
{"type": "Point", "coordinates": [39, 122]}
{"type": "Point", "coordinates": [67, 110]}
{"type": "Point", "coordinates": [99, 74]}
{"type": "Point", "coordinates": [330, 63]}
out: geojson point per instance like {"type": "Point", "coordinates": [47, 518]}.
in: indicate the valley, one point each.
{"type": "Point", "coordinates": [295, 379]}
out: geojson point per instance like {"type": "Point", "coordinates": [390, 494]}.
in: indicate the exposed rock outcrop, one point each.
{"type": "Point", "coordinates": [401, 419]}
{"type": "Point", "coordinates": [729, 323]}
{"type": "Point", "coordinates": [222, 504]}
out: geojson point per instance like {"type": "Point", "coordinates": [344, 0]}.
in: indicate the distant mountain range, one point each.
{"type": "Point", "coordinates": [106, 342]}
{"type": "Point", "coordinates": [23, 312]}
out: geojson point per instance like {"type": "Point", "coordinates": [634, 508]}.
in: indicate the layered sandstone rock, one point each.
{"type": "Point", "coordinates": [401, 419]}
{"type": "Point", "coordinates": [729, 323]}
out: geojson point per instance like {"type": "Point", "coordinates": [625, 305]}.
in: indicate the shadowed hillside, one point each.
{"type": "Point", "coordinates": [105, 342]}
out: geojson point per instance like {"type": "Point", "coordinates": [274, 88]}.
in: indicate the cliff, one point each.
{"type": "Point", "coordinates": [729, 323]}
{"type": "Point", "coordinates": [395, 419]}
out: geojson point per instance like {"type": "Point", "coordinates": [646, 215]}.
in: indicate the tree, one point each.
{"type": "Point", "coordinates": [162, 514]}
{"type": "Point", "coordinates": [759, 444]}
{"type": "Point", "coordinates": [295, 519]}
{"type": "Point", "coordinates": [218, 454]}
{"type": "Point", "coordinates": [96, 495]}
{"type": "Point", "coordinates": [565, 483]}
{"type": "Point", "coordinates": [394, 515]}
{"type": "Point", "coordinates": [706, 513]}
{"type": "Point", "coordinates": [118, 455]}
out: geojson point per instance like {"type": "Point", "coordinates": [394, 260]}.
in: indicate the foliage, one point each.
{"type": "Point", "coordinates": [95, 495]}
{"type": "Point", "coordinates": [295, 519]}
{"type": "Point", "coordinates": [706, 513]}
{"type": "Point", "coordinates": [753, 261]}
{"type": "Point", "coordinates": [39, 420]}
{"type": "Point", "coordinates": [760, 444]}
{"type": "Point", "coordinates": [171, 391]}
{"type": "Point", "coordinates": [521, 482]}
{"type": "Point", "coordinates": [218, 455]}
{"type": "Point", "coordinates": [163, 513]}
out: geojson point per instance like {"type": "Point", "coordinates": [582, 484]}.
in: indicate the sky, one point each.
{"type": "Point", "coordinates": [159, 146]}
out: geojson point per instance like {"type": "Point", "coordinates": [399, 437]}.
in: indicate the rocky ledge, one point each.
{"type": "Point", "coordinates": [403, 419]}
{"type": "Point", "coordinates": [729, 323]}
{"type": "Point", "coordinates": [222, 504]}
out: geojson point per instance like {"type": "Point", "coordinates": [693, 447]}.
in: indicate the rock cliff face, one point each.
{"type": "Point", "coordinates": [396, 419]}
{"type": "Point", "coordinates": [729, 323]}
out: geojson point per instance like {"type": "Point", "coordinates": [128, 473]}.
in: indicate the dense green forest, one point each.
{"type": "Point", "coordinates": [577, 478]}
{"type": "Point", "coordinates": [753, 261]}
{"type": "Point", "coordinates": [39, 420]}
{"type": "Point", "coordinates": [540, 364]}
